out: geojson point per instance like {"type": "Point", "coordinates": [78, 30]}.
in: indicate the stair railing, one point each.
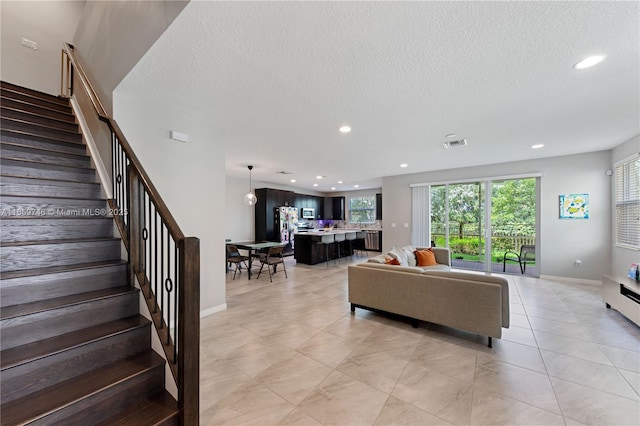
{"type": "Point", "coordinates": [165, 263]}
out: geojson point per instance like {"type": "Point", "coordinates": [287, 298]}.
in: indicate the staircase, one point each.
{"type": "Point", "coordinates": [73, 347]}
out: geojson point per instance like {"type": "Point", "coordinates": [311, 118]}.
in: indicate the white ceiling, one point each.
{"type": "Point", "coordinates": [279, 78]}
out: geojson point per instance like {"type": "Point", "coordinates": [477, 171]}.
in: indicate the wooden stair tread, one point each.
{"type": "Point", "coordinates": [43, 150]}
{"type": "Point", "coordinates": [47, 347]}
{"type": "Point", "coordinates": [28, 135]}
{"type": "Point", "coordinates": [52, 197]}
{"type": "Point", "coordinates": [10, 87]}
{"type": "Point", "coordinates": [60, 302]}
{"type": "Point", "coordinates": [151, 411]}
{"type": "Point", "coordinates": [49, 400]}
{"type": "Point", "coordinates": [49, 242]}
{"type": "Point", "coordinates": [59, 269]}
{"type": "Point", "coordinates": [44, 181]}
{"type": "Point", "coordinates": [44, 163]}
{"type": "Point", "coordinates": [39, 126]}
{"type": "Point", "coordinates": [21, 110]}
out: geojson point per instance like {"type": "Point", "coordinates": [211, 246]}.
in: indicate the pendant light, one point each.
{"type": "Point", "coordinates": [250, 199]}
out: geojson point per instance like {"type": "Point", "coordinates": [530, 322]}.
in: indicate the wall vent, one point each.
{"type": "Point", "coordinates": [284, 172]}
{"type": "Point", "coordinates": [454, 144]}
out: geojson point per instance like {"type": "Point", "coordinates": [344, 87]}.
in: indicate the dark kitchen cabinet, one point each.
{"type": "Point", "coordinates": [378, 206]}
{"type": "Point", "coordinates": [334, 208]}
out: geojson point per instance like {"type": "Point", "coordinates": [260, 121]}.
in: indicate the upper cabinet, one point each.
{"type": "Point", "coordinates": [334, 208]}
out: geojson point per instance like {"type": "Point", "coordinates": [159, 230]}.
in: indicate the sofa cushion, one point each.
{"type": "Point", "coordinates": [399, 254]}
{"type": "Point", "coordinates": [436, 267]}
{"type": "Point", "coordinates": [413, 269]}
{"type": "Point", "coordinates": [425, 257]}
{"type": "Point", "coordinates": [411, 257]}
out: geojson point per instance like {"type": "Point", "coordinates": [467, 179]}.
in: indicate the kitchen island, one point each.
{"type": "Point", "coordinates": [307, 250]}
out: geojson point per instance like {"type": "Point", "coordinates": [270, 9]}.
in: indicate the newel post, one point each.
{"type": "Point", "coordinates": [189, 332]}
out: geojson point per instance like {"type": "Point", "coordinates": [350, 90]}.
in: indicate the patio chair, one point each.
{"type": "Point", "coordinates": [234, 256]}
{"type": "Point", "coordinates": [527, 255]}
{"type": "Point", "coordinates": [273, 258]}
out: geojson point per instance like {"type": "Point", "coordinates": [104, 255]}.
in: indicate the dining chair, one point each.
{"type": "Point", "coordinates": [339, 238]}
{"type": "Point", "coordinates": [273, 258]}
{"type": "Point", "coordinates": [234, 257]}
{"type": "Point", "coordinates": [351, 237]}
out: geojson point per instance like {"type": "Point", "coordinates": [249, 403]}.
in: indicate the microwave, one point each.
{"type": "Point", "coordinates": [308, 213]}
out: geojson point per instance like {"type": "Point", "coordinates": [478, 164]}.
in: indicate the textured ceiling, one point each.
{"type": "Point", "coordinates": [277, 79]}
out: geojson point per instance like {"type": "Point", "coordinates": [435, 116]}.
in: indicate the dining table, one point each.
{"type": "Point", "coordinates": [254, 247]}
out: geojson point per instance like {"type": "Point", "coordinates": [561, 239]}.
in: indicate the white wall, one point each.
{"type": "Point", "coordinates": [49, 24]}
{"type": "Point", "coordinates": [561, 241]}
{"type": "Point", "coordinates": [112, 36]}
{"type": "Point", "coordinates": [621, 258]}
{"type": "Point", "coordinates": [190, 178]}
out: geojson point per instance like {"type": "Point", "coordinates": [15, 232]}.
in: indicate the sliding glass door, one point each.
{"type": "Point", "coordinates": [483, 221]}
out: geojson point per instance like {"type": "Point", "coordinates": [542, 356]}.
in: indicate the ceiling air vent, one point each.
{"type": "Point", "coordinates": [284, 172]}
{"type": "Point", "coordinates": [454, 144]}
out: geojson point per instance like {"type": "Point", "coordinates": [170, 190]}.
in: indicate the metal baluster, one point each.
{"type": "Point", "coordinates": [113, 165]}
{"type": "Point", "coordinates": [175, 301]}
{"type": "Point", "coordinates": [161, 270]}
{"type": "Point", "coordinates": [155, 258]}
{"type": "Point", "coordinates": [168, 287]}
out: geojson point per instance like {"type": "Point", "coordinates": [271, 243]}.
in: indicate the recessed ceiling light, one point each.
{"type": "Point", "coordinates": [333, 188]}
{"type": "Point", "coordinates": [319, 177]}
{"type": "Point", "coordinates": [315, 184]}
{"type": "Point", "coordinates": [340, 181]}
{"type": "Point", "coordinates": [345, 129]}
{"type": "Point", "coordinates": [292, 181]}
{"type": "Point", "coordinates": [589, 62]}
{"type": "Point", "coordinates": [451, 135]}
{"type": "Point", "coordinates": [538, 146]}
{"type": "Point", "coordinates": [356, 186]}
{"type": "Point", "coordinates": [403, 165]}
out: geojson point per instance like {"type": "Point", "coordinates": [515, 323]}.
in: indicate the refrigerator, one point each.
{"type": "Point", "coordinates": [286, 224]}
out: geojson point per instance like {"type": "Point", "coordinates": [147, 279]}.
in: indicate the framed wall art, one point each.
{"type": "Point", "coordinates": [574, 206]}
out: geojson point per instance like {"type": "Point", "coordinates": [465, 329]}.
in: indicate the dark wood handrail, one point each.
{"type": "Point", "coordinates": [171, 223]}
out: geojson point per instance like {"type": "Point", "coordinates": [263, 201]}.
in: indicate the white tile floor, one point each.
{"type": "Point", "coordinates": [291, 353]}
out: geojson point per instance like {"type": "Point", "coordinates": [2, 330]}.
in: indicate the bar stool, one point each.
{"type": "Point", "coordinates": [351, 237]}
{"type": "Point", "coordinates": [326, 240]}
{"type": "Point", "coordinates": [339, 238]}
{"type": "Point", "coordinates": [361, 237]}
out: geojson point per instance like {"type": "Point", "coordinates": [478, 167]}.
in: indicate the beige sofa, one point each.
{"type": "Point", "coordinates": [472, 302]}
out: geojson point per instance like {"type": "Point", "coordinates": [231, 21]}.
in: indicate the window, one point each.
{"type": "Point", "coordinates": [628, 202]}
{"type": "Point", "coordinates": [362, 209]}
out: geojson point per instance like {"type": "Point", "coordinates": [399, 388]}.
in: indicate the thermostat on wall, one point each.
{"type": "Point", "coordinates": [180, 137]}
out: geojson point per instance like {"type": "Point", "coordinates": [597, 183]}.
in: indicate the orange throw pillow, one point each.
{"type": "Point", "coordinates": [393, 261]}
{"type": "Point", "coordinates": [425, 257]}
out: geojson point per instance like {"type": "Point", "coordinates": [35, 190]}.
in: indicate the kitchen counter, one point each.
{"type": "Point", "coordinates": [308, 252]}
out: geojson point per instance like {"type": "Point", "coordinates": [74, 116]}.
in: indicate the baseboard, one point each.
{"type": "Point", "coordinates": [213, 310]}
{"type": "Point", "coordinates": [571, 280]}
{"type": "Point", "coordinates": [103, 174]}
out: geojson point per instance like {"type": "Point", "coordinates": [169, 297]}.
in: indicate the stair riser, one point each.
{"type": "Point", "coordinates": [36, 101]}
{"type": "Point", "coordinates": [41, 130]}
{"type": "Point", "coordinates": [16, 291]}
{"type": "Point", "coordinates": [46, 171]}
{"type": "Point", "coordinates": [12, 88]}
{"type": "Point", "coordinates": [33, 188]}
{"type": "Point", "coordinates": [27, 229]}
{"type": "Point", "coordinates": [36, 154]}
{"type": "Point", "coordinates": [39, 374]}
{"type": "Point", "coordinates": [34, 118]}
{"type": "Point", "coordinates": [42, 111]}
{"type": "Point", "coordinates": [43, 325]}
{"type": "Point", "coordinates": [18, 258]}
{"type": "Point", "coordinates": [102, 405]}
{"type": "Point", "coordinates": [68, 147]}
{"type": "Point", "coordinates": [15, 206]}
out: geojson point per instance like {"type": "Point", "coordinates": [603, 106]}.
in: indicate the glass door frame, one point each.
{"type": "Point", "coordinates": [488, 226]}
